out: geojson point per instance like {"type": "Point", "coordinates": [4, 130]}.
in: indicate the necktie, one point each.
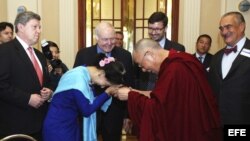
{"type": "Point", "coordinates": [200, 58]}
{"type": "Point", "coordinates": [229, 50]}
{"type": "Point", "coordinates": [36, 65]}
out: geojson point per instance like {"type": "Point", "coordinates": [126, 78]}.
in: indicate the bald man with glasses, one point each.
{"type": "Point", "coordinates": [181, 107]}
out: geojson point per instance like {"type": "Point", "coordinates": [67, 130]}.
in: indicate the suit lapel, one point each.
{"type": "Point", "coordinates": [218, 63]}
{"type": "Point", "coordinates": [239, 58]}
{"type": "Point", "coordinates": [22, 55]}
{"type": "Point", "coordinates": [166, 45]}
{"type": "Point", "coordinates": [113, 53]}
{"type": "Point", "coordinates": [206, 59]}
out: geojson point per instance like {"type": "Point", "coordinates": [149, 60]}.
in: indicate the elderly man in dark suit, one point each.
{"type": "Point", "coordinates": [23, 80]}
{"type": "Point", "coordinates": [157, 27]}
{"type": "Point", "coordinates": [112, 120]}
{"type": "Point", "coordinates": [203, 45]}
{"type": "Point", "coordinates": [229, 72]}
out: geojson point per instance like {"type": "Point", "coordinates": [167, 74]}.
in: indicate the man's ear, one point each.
{"type": "Point", "coordinates": [242, 27]}
{"type": "Point", "coordinates": [20, 27]}
{"type": "Point", "coordinates": [151, 55]}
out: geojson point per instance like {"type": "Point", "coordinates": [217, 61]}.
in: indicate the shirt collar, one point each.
{"type": "Point", "coordinates": [25, 46]}
{"type": "Point", "coordinates": [99, 50]}
{"type": "Point", "coordinates": [198, 55]}
{"type": "Point", "coordinates": [240, 44]}
{"type": "Point", "coordinates": [162, 42]}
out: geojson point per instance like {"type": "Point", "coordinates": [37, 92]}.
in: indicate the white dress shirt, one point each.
{"type": "Point", "coordinates": [25, 46]}
{"type": "Point", "coordinates": [227, 60]}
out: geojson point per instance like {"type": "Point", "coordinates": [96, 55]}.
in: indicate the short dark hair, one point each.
{"type": "Point", "coordinates": [206, 36]}
{"type": "Point", "coordinates": [119, 32]}
{"type": "Point", "coordinates": [158, 17]}
{"type": "Point", "coordinates": [114, 71]}
{"type": "Point", "coordinates": [3, 26]}
{"type": "Point", "coordinates": [51, 43]}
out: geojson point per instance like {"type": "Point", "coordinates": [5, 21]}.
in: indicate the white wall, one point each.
{"type": "Point", "coordinates": [12, 5]}
{"type": "Point", "coordinates": [68, 31]}
{"type": "Point", "coordinates": [189, 23]}
{"type": "Point", "coordinates": [3, 9]}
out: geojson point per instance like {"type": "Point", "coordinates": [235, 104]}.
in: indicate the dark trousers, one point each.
{"type": "Point", "coordinates": [110, 123]}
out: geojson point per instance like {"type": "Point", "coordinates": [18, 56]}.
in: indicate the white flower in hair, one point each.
{"type": "Point", "coordinates": [107, 60]}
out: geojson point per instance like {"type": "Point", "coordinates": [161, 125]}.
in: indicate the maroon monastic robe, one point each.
{"type": "Point", "coordinates": [182, 106]}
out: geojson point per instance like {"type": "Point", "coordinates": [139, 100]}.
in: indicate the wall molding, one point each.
{"type": "Point", "coordinates": [191, 23]}
{"type": "Point", "coordinates": [67, 35]}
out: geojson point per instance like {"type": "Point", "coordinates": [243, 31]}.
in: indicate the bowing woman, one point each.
{"type": "Point", "coordinates": [75, 96]}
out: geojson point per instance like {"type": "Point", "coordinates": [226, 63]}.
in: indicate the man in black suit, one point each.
{"type": "Point", "coordinates": [203, 45]}
{"type": "Point", "coordinates": [23, 93]}
{"type": "Point", "coordinates": [229, 72]}
{"type": "Point", "coordinates": [112, 120]}
{"type": "Point", "coordinates": [157, 27]}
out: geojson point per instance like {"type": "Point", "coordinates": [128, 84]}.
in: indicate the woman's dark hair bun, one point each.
{"type": "Point", "coordinates": [114, 70]}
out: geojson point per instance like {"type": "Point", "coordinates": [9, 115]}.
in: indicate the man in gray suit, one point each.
{"type": "Point", "coordinates": [229, 72]}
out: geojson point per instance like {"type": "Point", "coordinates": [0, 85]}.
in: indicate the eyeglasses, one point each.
{"type": "Point", "coordinates": [150, 29]}
{"type": "Point", "coordinates": [140, 65]}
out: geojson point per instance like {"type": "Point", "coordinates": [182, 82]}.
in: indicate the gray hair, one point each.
{"type": "Point", "coordinates": [101, 27]}
{"type": "Point", "coordinates": [238, 15]}
{"type": "Point", "coordinates": [24, 17]}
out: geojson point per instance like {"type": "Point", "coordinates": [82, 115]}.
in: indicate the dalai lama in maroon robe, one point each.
{"type": "Point", "coordinates": [181, 107]}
